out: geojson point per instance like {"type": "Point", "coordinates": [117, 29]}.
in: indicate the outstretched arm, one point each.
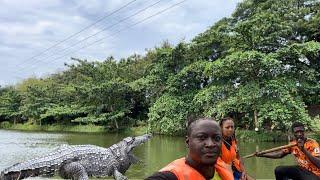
{"type": "Point", "coordinates": [274, 155]}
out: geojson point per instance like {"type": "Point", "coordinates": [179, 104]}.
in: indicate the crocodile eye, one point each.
{"type": "Point", "coordinates": [129, 139]}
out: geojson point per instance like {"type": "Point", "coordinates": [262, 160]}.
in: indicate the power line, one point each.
{"type": "Point", "coordinates": [85, 28]}
{"type": "Point", "coordinates": [145, 19]}
{"type": "Point", "coordinates": [128, 27]}
{"type": "Point", "coordinates": [104, 29]}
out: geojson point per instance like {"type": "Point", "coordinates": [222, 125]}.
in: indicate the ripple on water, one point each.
{"type": "Point", "coordinates": [18, 146]}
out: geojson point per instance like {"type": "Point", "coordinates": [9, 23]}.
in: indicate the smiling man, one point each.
{"type": "Point", "coordinates": [307, 155]}
{"type": "Point", "coordinates": [202, 162]}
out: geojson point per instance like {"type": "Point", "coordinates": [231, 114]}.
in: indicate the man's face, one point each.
{"type": "Point", "coordinates": [204, 142]}
{"type": "Point", "coordinates": [298, 132]}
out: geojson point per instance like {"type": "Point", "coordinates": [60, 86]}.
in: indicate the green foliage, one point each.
{"type": "Point", "coordinates": [189, 79]}
{"type": "Point", "coordinates": [61, 114]}
{"type": "Point", "coordinates": [261, 64]}
{"type": "Point", "coordinates": [5, 125]}
{"type": "Point", "coordinates": [168, 115]}
{"type": "Point", "coordinates": [10, 102]}
{"type": "Point", "coordinates": [206, 100]}
{"type": "Point", "coordinates": [315, 124]}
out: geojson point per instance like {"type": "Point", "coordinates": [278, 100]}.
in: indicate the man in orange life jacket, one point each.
{"type": "Point", "coordinates": [306, 153]}
{"type": "Point", "coordinates": [202, 162]}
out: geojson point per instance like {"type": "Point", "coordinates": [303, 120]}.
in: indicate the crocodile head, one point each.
{"type": "Point", "coordinates": [129, 143]}
{"type": "Point", "coordinates": [132, 142]}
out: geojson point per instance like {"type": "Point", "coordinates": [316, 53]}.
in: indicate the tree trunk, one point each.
{"type": "Point", "coordinates": [116, 123]}
{"type": "Point", "coordinates": [256, 125]}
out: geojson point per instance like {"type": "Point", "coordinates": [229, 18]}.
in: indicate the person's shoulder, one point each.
{"type": "Point", "coordinates": [312, 141]}
{"type": "Point", "coordinates": [313, 147]}
{"type": "Point", "coordinates": [164, 175]}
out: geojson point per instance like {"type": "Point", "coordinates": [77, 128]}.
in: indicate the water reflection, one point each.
{"type": "Point", "coordinates": [18, 146]}
{"type": "Point", "coordinates": [262, 167]}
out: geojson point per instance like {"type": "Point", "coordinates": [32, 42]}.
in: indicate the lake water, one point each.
{"type": "Point", "coordinates": [17, 146]}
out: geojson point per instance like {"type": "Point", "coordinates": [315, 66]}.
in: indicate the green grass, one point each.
{"type": "Point", "coordinates": [70, 128]}
{"type": "Point", "coordinates": [58, 128]}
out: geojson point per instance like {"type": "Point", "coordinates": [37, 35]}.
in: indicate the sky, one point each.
{"type": "Point", "coordinates": [37, 37]}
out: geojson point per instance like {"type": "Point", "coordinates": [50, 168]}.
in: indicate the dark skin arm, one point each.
{"type": "Point", "coordinates": [273, 155]}
{"type": "Point", "coordinates": [314, 160]}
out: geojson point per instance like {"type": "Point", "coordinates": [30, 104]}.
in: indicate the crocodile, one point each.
{"type": "Point", "coordinates": [80, 161]}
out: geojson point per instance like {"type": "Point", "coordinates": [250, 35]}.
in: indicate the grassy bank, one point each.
{"type": "Point", "coordinates": [136, 131]}
{"type": "Point", "coordinates": [242, 135]}
{"type": "Point", "coordinates": [70, 128]}
{"type": "Point", "coordinates": [58, 128]}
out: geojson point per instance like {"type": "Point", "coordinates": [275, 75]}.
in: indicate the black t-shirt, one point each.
{"type": "Point", "coordinates": [164, 175]}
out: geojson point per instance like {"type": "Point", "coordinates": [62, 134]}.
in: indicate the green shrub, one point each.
{"type": "Point", "coordinates": [5, 125]}
{"type": "Point", "coordinates": [252, 136]}
{"type": "Point", "coordinates": [315, 124]}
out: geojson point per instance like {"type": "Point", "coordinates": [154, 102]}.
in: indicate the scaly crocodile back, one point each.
{"type": "Point", "coordinates": [46, 165]}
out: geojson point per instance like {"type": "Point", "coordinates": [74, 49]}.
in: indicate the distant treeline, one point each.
{"type": "Point", "coordinates": [261, 66]}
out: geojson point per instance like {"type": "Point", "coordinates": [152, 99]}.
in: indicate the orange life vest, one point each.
{"type": "Point", "coordinates": [314, 149]}
{"type": "Point", "coordinates": [230, 156]}
{"type": "Point", "coordinates": [185, 172]}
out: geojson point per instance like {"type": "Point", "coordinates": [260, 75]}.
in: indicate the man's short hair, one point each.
{"type": "Point", "coordinates": [296, 124]}
{"type": "Point", "coordinates": [193, 120]}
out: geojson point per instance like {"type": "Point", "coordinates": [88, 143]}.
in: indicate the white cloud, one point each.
{"type": "Point", "coordinates": [25, 29]}
{"type": "Point", "coordinates": [31, 26]}
{"type": "Point", "coordinates": [29, 4]}
{"type": "Point", "coordinates": [188, 19]}
{"type": "Point", "coordinates": [95, 6]}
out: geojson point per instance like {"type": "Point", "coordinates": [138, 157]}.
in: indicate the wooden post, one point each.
{"type": "Point", "coordinates": [255, 115]}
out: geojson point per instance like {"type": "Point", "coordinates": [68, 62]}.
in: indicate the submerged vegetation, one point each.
{"type": "Point", "coordinates": [261, 66]}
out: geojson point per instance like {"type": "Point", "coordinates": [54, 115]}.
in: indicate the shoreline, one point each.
{"type": "Point", "coordinates": [241, 135]}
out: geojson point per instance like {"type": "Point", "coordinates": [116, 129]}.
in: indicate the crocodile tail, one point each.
{"type": "Point", "coordinates": [17, 175]}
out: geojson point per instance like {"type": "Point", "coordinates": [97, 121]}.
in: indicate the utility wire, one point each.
{"type": "Point", "coordinates": [145, 19]}
{"type": "Point", "coordinates": [104, 29]}
{"type": "Point", "coordinates": [73, 35]}
{"type": "Point", "coordinates": [128, 27]}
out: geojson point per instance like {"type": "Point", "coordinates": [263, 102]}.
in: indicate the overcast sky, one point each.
{"type": "Point", "coordinates": [29, 27]}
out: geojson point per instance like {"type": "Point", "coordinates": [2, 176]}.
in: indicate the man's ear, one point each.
{"type": "Point", "coordinates": [187, 141]}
